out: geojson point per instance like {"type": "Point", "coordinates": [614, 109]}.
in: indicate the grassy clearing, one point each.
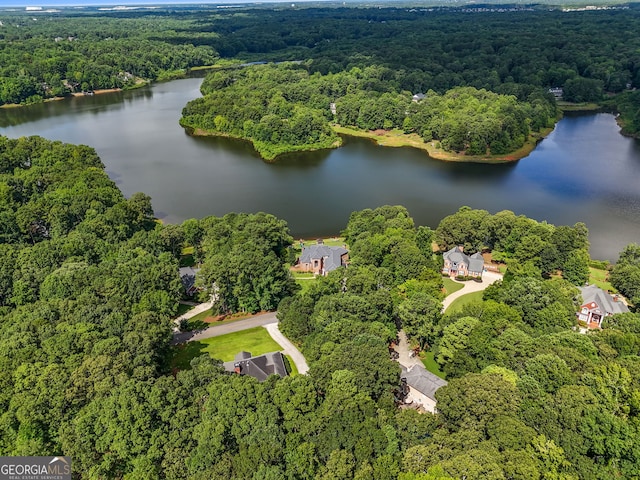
{"type": "Point", "coordinates": [458, 303]}
{"type": "Point", "coordinates": [303, 275]}
{"type": "Point", "coordinates": [256, 340]}
{"type": "Point", "coordinates": [577, 107]}
{"type": "Point", "coordinates": [397, 138]}
{"type": "Point", "coordinates": [450, 286]}
{"type": "Point", "coordinates": [329, 241]}
{"type": "Point", "coordinates": [600, 278]}
{"type": "Point", "coordinates": [292, 370]}
{"type": "Point", "coordinates": [305, 285]}
{"type": "Point", "coordinates": [430, 364]}
{"type": "Point", "coordinates": [181, 355]}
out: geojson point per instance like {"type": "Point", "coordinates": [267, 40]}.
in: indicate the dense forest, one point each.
{"type": "Point", "coordinates": [89, 283]}
{"type": "Point", "coordinates": [508, 51]}
{"type": "Point", "coordinates": [53, 55]}
{"type": "Point", "coordinates": [281, 108]}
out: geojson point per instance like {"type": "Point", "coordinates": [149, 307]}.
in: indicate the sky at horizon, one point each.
{"type": "Point", "coordinates": [111, 3]}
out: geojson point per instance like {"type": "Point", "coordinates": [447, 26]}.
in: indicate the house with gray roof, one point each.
{"type": "Point", "coordinates": [188, 278]}
{"type": "Point", "coordinates": [420, 386]}
{"type": "Point", "coordinates": [597, 304]}
{"type": "Point", "coordinates": [260, 367]}
{"type": "Point", "coordinates": [457, 263]}
{"type": "Point", "coordinates": [322, 259]}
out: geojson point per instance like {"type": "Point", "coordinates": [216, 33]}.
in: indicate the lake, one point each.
{"type": "Point", "coordinates": [585, 171]}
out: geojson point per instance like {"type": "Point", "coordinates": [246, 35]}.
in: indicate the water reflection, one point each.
{"type": "Point", "coordinates": [584, 171]}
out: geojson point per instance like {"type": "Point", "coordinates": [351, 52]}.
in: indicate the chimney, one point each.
{"type": "Point", "coordinates": [461, 248]}
{"type": "Point", "coordinates": [615, 297]}
{"type": "Point", "coordinates": [237, 368]}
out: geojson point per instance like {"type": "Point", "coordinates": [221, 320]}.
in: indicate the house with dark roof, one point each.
{"type": "Point", "coordinates": [260, 367]}
{"type": "Point", "coordinates": [188, 278]}
{"type": "Point", "coordinates": [597, 304]}
{"type": "Point", "coordinates": [322, 259]}
{"type": "Point", "coordinates": [420, 386]}
{"type": "Point", "coordinates": [457, 263]}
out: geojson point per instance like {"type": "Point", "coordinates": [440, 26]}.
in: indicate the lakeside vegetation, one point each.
{"type": "Point", "coordinates": [398, 138]}
{"type": "Point", "coordinates": [282, 108]}
{"type": "Point", "coordinates": [56, 53]}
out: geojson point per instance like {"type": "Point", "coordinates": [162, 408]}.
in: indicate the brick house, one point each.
{"type": "Point", "coordinates": [597, 304]}
{"type": "Point", "coordinates": [457, 263]}
{"type": "Point", "coordinates": [322, 259]}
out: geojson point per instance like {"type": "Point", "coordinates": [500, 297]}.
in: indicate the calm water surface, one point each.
{"type": "Point", "coordinates": [584, 171]}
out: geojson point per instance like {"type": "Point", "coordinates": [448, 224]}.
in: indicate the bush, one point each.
{"type": "Point", "coordinates": [599, 264]}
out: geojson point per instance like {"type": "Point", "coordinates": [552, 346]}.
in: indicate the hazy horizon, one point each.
{"type": "Point", "coordinates": [108, 3]}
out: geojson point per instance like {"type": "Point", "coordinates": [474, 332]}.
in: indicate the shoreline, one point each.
{"type": "Point", "coordinates": [199, 132]}
{"type": "Point", "coordinates": [396, 138]}
{"type": "Point", "coordinates": [78, 94]}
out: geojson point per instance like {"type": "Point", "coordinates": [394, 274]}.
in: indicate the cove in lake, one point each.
{"type": "Point", "coordinates": [584, 171]}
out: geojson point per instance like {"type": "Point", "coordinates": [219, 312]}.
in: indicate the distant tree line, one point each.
{"type": "Point", "coordinates": [52, 55]}
{"type": "Point", "coordinates": [509, 52]}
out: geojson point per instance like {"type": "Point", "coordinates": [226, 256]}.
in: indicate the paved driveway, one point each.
{"type": "Point", "coordinates": [266, 320]}
{"type": "Point", "coordinates": [224, 328]}
{"type": "Point", "coordinates": [289, 348]}
{"type": "Point", "coordinates": [471, 286]}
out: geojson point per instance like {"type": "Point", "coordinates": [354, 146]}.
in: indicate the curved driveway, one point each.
{"type": "Point", "coordinates": [266, 320]}
{"type": "Point", "coordinates": [289, 348]}
{"type": "Point", "coordinates": [471, 286]}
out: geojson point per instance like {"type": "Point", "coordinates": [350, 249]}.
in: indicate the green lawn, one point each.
{"type": "Point", "coordinates": [181, 355]}
{"type": "Point", "coordinates": [331, 242]}
{"type": "Point", "coordinates": [450, 286]}
{"type": "Point", "coordinates": [458, 303]}
{"type": "Point", "coordinates": [186, 257]}
{"type": "Point", "coordinates": [430, 364]}
{"type": "Point", "coordinates": [255, 340]}
{"type": "Point", "coordinates": [599, 277]}
{"type": "Point", "coordinates": [304, 279]}
{"type": "Point", "coordinates": [303, 275]}
{"type": "Point", "coordinates": [292, 370]}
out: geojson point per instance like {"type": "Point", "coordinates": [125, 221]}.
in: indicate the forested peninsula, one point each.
{"type": "Point", "coordinates": [89, 285]}
{"type": "Point", "coordinates": [282, 108]}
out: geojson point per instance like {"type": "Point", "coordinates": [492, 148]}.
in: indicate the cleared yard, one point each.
{"type": "Point", "coordinates": [430, 364]}
{"type": "Point", "coordinates": [600, 278]}
{"type": "Point", "coordinates": [255, 340]}
{"type": "Point", "coordinates": [458, 303]}
{"type": "Point", "coordinates": [181, 355]}
{"type": "Point", "coordinates": [450, 286]}
{"type": "Point", "coordinates": [292, 370]}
